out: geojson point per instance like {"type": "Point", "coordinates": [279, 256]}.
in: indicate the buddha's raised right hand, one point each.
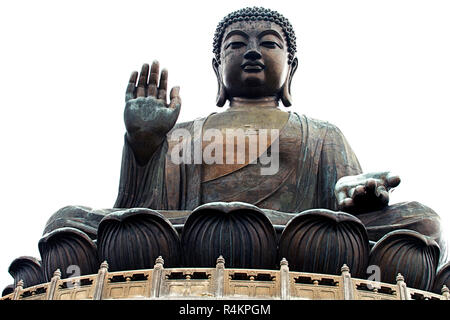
{"type": "Point", "coordinates": [148, 117]}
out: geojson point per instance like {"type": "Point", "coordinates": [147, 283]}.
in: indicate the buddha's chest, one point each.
{"type": "Point", "coordinates": [232, 140]}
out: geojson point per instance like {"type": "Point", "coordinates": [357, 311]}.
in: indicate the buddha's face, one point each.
{"type": "Point", "coordinates": [254, 59]}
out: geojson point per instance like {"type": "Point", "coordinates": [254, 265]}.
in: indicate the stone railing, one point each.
{"type": "Point", "coordinates": [218, 283]}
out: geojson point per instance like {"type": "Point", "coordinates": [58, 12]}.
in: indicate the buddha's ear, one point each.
{"type": "Point", "coordinates": [221, 94]}
{"type": "Point", "coordinates": [286, 90]}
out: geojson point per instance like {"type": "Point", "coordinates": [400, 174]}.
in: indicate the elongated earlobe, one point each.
{"type": "Point", "coordinates": [286, 90]}
{"type": "Point", "coordinates": [221, 94]}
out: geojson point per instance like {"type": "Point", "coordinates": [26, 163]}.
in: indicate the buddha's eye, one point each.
{"type": "Point", "coordinates": [235, 45]}
{"type": "Point", "coordinates": [270, 44]}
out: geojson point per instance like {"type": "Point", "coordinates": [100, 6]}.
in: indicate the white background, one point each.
{"type": "Point", "coordinates": [379, 70]}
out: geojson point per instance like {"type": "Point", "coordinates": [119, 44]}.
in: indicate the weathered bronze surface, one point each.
{"type": "Point", "coordinates": [79, 217]}
{"type": "Point", "coordinates": [322, 240]}
{"type": "Point", "coordinates": [410, 253]}
{"type": "Point", "coordinates": [239, 232]}
{"type": "Point", "coordinates": [27, 269]}
{"type": "Point", "coordinates": [405, 215]}
{"type": "Point", "coordinates": [70, 250]}
{"type": "Point", "coordinates": [133, 239]}
{"type": "Point", "coordinates": [442, 278]}
{"type": "Point", "coordinates": [254, 61]}
{"type": "Point", "coordinates": [8, 290]}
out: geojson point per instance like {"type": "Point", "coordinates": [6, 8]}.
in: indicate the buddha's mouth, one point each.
{"type": "Point", "coordinates": [253, 67]}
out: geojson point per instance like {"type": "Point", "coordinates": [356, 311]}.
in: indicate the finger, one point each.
{"type": "Point", "coordinates": [142, 81]}
{"type": "Point", "coordinates": [358, 193]}
{"type": "Point", "coordinates": [340, 196]}
{"type": "Point", "coordinates": [346, 204]}
{"type": "Point", "coordinates": [131, 88]}
{"type": "Point", "coordinates": [175, 100]}
{"type": "Point", "coordinates": [392, 180]}
{"type": "Point", "coordinates": [351, 192]}
{"type": "Point", "coordinates": [382, 194]}
{"type": "Point", "coordinates": [153, 80]}
{"type": "Point", "coordinates": [370, 185]}
{"type": "Point", "coordinates": [162, 90]}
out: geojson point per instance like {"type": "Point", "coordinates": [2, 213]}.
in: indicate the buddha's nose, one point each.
{"type": "Point", "coordinates": [252, 54]}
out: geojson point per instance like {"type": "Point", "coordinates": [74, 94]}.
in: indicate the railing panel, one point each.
{"type": "Point", "coordinates": [372, 290]}
{"type": "Point", "coordinates": [417, 294]}
{"type": "Point", "coordinates": [128, 284]}
{"type": "Point", "coordinates": [37, 292]}
{"type": "Point", "coordinates": [192, 282]}
{"type": "Point", "coordinates": [252, 283]}
{"type": "Point", "coordinates": [76, 288]}
{"type": "Point", "coordinates": [314, 286]}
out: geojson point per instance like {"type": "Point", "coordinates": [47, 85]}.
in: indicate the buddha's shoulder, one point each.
{"type": "Point", "coordinates": [315, 124]}
{"type": "Point", "coordinates": [311, 123]}
{"type": "Point", "coordinates": [188, 125]}
{"type": "Point", "coordinates": [183, 125]}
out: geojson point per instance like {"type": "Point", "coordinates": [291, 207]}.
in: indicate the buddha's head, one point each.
{"type": "Point", "coordinates": [255, 56]}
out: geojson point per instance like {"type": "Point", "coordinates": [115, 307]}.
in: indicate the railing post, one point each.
{"type": "Point", "coordinates": [445, 292]}
{"type": "Point", "coordinates": [284, 280]}
{"type": "Point", "coordinates": [220, 274]}
{"type": "Point", "coordinates": [17, 290]}
{"type": "Point", "coordinates": [347, 283]}
{"type": "Point", "coordinates": [402, 288]}
{"type": "Point", "coordinates": [100, 281]}
{"type": "Point", "coordinates": [53, 284]}
{"type": "Point", "coordinates": [157, 277]}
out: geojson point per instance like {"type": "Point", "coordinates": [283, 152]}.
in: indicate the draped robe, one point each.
{"type": "Point", "coordinates": [313, 155]}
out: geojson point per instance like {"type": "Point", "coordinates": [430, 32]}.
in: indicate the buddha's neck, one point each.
{"type": "Point", "coordinates": [265, 102]}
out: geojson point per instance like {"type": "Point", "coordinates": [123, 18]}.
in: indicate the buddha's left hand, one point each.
{"type": "Point", "coordinates": [365, 192]}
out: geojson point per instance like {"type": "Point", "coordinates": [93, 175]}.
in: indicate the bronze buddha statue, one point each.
{"type": "Point", "coordinates": [254, 61]}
